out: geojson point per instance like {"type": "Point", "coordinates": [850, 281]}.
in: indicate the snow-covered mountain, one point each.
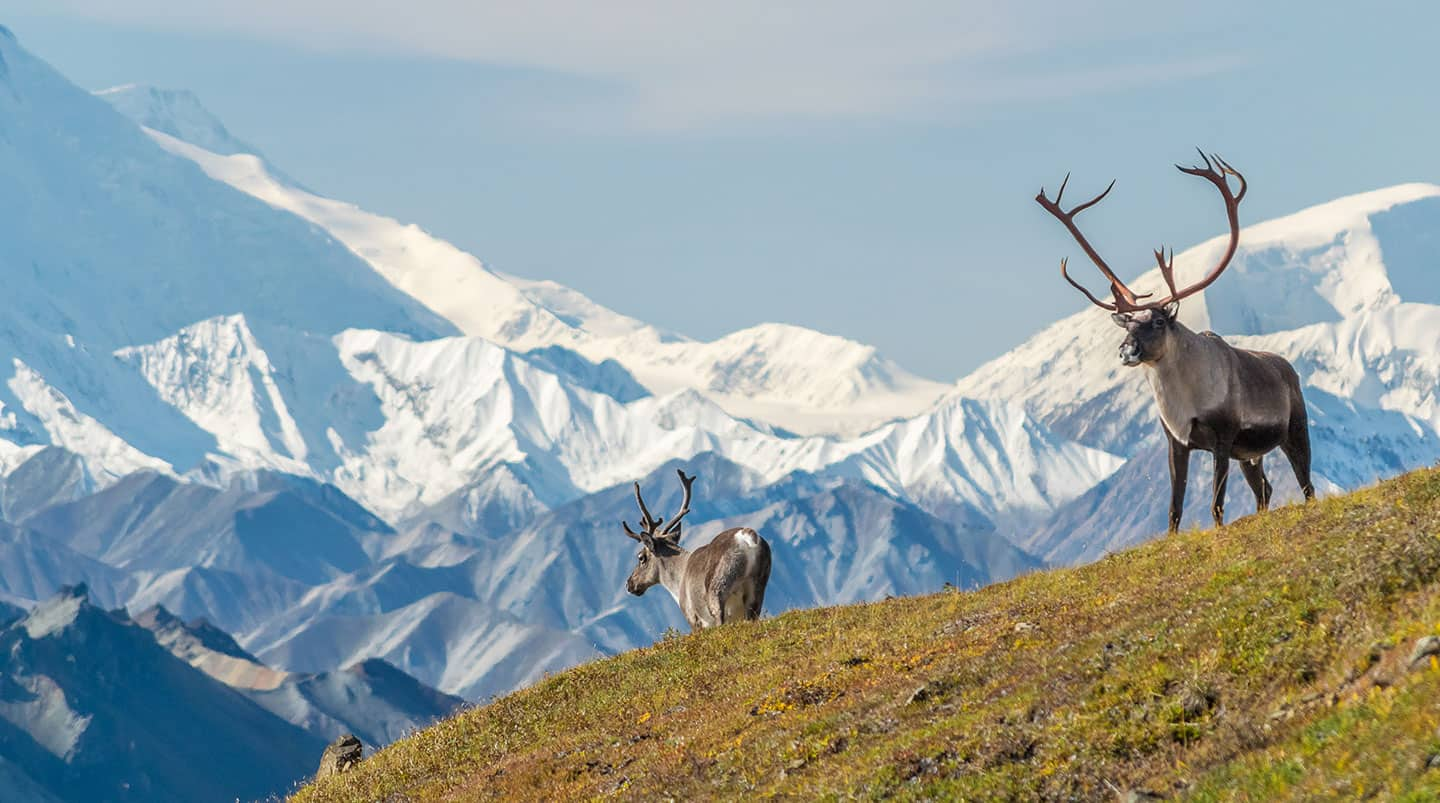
{"type": "Point", "coordinates": [787, 376]}
{"type": "Point", "coordinates": [107, 241]}
{"type": "Point", "coordinates": [176, 112]}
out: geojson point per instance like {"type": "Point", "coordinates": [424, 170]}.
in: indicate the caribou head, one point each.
{"type": "Point", "coordinates": [1149, 324]}
{"type": "Point", "coordinates": [657, 545]}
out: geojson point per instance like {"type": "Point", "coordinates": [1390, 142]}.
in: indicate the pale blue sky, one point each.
{"type": "Point", "coordinates": [862, 169]}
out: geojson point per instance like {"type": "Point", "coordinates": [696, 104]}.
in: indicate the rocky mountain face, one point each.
{"type": "Point", "coordinates": [93, 708]}
{"type": "Point", "coordinates": [372, 699]}
{"type": "Point", "coordinates": [97, 706]}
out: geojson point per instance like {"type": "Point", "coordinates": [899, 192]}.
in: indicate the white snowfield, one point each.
{"type": "Point", "coordinates": [453, 409]}
{"type": "Point", "coordinates": [788, 376]}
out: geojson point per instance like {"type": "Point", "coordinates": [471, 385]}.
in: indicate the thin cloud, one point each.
{"type": "Point", "coordinates": [688, 64]}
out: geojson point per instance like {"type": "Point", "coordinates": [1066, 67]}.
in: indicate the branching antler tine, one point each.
{"type": "Point", "coordinates": [1232, 214]}
{"type": "Point", "coordinates": [1097, 199]}
{"type": "Point", "coordinates": [647, 522]}
{"type": "Point", "coordinates": [1093, 300]}
{"type": "Point", "coordinates": [686, 483]}
{"type": "Point", "coordinates": [1208, 166]}
{"type": "Point", "coordinates": [1224, 165]}
{"type": "Point", "coordinates": [674, 525]}
{"type": "Point", "coordinates": [1167, 268]}
{"type": "Point", "coordinates": [1117, 287]}
{"type": "Point", "coordinates": [1208, 171]}
{"type": "Point", "coordinates": [629, 531]}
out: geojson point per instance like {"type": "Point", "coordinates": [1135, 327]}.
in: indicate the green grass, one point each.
{"type": "Point", "coordinates": [1261, 661]}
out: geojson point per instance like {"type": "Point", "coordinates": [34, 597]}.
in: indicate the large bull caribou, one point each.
{"type": "Point", "coordinates": [1234, 403]}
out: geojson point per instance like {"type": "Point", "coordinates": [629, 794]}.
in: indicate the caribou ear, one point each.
{"type": "Point", "coordinates": [1172, 309]}
{"type": "Point", "coordinates": [1121, 319]}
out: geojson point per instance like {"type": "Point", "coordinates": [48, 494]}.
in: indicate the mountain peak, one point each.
{"type": "Point", "coordinates": [177, 112]}
{"type": "Point", "coordinates": [1334, 216]}
{"type": "Point", "coordinates": [57, 613]}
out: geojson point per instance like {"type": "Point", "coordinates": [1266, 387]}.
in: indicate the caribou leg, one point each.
{"type": "Point", "coordinates": [1254, 472]}
{"type": "Point", "coordinates": [1297, 449]}
{"type": "Point", "coordinates": [1222, 473]}
{"type": "Point", "coordinates": [1179, 475]}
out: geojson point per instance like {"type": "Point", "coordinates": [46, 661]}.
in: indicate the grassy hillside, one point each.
{"type": "Point", "coordinates": [1266, 660]}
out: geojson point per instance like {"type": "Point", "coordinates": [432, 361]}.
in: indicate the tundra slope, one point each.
{"type": "Point", "coordinates": [1275, 666]}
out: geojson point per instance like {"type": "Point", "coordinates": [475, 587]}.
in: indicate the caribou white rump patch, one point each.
{"type": "Point", "coordinates": [747, 537]}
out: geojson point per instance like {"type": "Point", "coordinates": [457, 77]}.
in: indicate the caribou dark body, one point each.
{"type": "Point", "coordinates": [1234, 403]}
{"type": "Point", "coordinates": [723, 581]}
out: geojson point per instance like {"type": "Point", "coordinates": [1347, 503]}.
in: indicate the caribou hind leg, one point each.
{"type": "Point", "coordinates": [1297, 449]}
{"type": "Point", "coordinates": [1179, 475]}
{"type": "Point", "coordinates": [762, 579]}
{"type": "Point", "coordinates": [1254, 472]}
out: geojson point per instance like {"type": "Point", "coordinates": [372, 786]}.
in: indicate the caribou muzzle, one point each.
{"type": "Point", "coordinates": [1130, 353]}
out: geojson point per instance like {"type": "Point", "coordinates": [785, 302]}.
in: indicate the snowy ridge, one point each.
{"type": "Point", "coordinates": [176, 112]}
{"type": "Point", "coordinates": [791, 377]}
{"type": "Point", "coordinates": [453, 409]}
{"type": "Point", "coordinates": [240, 404]}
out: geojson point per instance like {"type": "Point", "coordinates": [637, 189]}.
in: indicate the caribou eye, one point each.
{"type": "Point", "coordinates": [644, 557]}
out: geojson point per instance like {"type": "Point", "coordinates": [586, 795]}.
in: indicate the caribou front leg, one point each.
{"type": "Point", "coordinates": [1179, 475]}
{"type": "Point", "coordinates": [1222, 473]}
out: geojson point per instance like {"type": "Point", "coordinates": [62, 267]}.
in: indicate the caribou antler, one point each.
{"type": "Point", "coordinates": [1117, 288]}
{"type": "Point", "coordinates": [1232, 213]}
{"type": "Point", "coordinates": [1215, 172]}
{"type": "Point", "coordinates": [674, 525]}
{"type": "Point", "coordinates": [649, 525]}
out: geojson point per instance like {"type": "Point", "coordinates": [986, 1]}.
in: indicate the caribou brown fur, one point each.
{"type": "Point", "coordinates": [722, 581]}
{"type": "Point", "coordinates": [1234, 403]}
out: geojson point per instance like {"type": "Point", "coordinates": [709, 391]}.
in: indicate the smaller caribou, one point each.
{"type": "Point", "coordinates": [720, 582]}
